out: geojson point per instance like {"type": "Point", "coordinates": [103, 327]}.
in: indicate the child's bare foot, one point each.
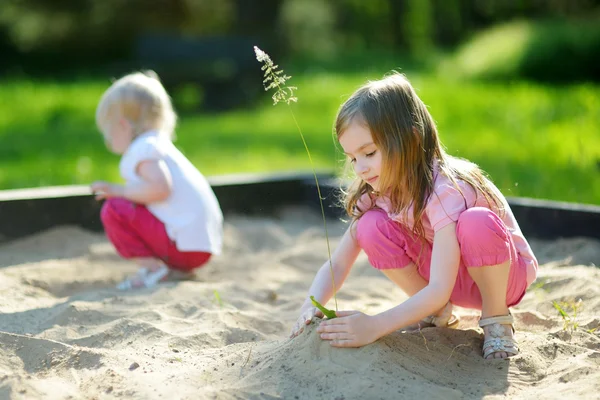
{"type": "Point", "coordinates": [499, 341]}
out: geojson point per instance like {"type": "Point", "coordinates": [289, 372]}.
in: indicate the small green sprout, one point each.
{"type": "Point", "coordinates": [539, 285]}
{"type": "Point", "coordinates": [568, 312]}
{"type": "Point", "coordinates": [218, 298]}
{"type": "Point", "coordinates": [328, 313]}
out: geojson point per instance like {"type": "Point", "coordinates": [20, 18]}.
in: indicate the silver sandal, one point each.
{"type": "Point", "coordinates": [497, 340]}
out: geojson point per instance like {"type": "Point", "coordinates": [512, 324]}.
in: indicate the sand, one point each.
{"type": "Point", "coordinates": [65, 333]}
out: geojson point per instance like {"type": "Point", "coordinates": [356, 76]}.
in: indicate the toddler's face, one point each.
{"type": "Point", "coordinates": [118, 135]}
{"type": "Point", "coordinates": [364, 155]}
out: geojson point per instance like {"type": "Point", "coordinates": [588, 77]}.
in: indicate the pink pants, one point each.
{"type": "Point", "coordinates": [136, 233]}
{"type": "Point", "coordinates": [483, 238]}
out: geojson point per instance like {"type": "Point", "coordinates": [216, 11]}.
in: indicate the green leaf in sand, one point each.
{"type": "Point", "coordinates": [328, 313]}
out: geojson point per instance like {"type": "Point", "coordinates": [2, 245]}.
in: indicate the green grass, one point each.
{"type": "Point", "coordinates": [534, 140]}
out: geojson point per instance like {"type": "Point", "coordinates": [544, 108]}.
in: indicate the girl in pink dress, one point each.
{"type": "Point", "coordinates": [432, 223]}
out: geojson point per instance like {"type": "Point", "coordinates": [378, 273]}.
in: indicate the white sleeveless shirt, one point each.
{"type": "Point", "coordinates": [191, 214]}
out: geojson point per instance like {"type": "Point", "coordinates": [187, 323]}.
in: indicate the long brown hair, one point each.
{"type": "Point", "coordinates": [405, 133]}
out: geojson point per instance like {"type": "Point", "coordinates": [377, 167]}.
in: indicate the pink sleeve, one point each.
{"type": "Point", "coordinates": [445, 205]}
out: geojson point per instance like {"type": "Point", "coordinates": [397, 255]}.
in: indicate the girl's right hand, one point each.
{"type": "Point", "coordinates": [307, 312]}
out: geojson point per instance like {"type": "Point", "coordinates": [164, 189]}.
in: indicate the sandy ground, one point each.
{"type": "Point", "coordinates": [65, 333]}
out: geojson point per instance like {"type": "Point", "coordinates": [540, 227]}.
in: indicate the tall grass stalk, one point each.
{"type": "Point", "coordinates": [275, 78]}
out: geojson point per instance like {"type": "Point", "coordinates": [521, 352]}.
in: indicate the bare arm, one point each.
{"type": "Point", "coordinates": [342, 259]}
{"type": "Point", "coordinates": [155, 185]}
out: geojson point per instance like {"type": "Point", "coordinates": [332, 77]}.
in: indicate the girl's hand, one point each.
{"type": "Point", "coordinates": [307, 313]}
{"type": "Point", "coordinates": [104, 190]}
{"type": "Point", "coordinates": [349, 329]}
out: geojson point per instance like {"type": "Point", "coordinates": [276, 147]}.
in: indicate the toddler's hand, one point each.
{"type": "Point", "coordinates": [105, 190]}
{"type": "Point", "coordinates": [307, 313]}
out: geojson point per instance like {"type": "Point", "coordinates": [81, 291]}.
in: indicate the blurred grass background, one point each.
{"type": "Point", "coordinates": [513, 85]}
{"type": "Point", "coordinates": [534, 140]}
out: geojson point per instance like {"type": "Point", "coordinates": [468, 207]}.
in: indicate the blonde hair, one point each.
{"type": "Point", "coordinates": [142, 100]}
{"type": "Point", "coordinates": [405, 133]}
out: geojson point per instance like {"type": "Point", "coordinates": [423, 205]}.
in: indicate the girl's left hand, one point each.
{"type": "Point", "coordinates": [349, 329]}
{"type": "Point", "coordinates": [104, 190]}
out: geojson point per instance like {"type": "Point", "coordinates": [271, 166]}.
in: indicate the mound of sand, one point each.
{"type": "Point", "coordinates": [66, 333]}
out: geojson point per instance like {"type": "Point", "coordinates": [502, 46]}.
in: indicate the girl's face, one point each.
{"type": "Point", "coordinates": [118, 135]}
{"type": "Point", "coordinates": [364, 155]}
